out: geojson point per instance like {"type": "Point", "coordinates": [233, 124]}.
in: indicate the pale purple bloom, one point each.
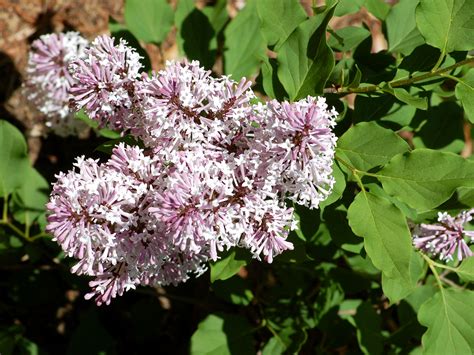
{"type": "Point", "coordinates": [297, 141]}
{"type": "Point", "coordinates": [215, 173]}
{"type": "Point", "coordinates": [48, 80]}
{"type": "Point", "coordinates": [445, 238]}
{"type": "Point", "coordinates": [105, 81]}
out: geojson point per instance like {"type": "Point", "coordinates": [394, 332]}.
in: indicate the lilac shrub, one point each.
{"type": "Point", "coordinates": [217, 171]}
{"type": "Point", "coordinates": [48, 80]}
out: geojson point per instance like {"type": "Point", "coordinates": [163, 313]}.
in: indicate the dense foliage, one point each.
{"type": "Point", "coordinates": [361, 277]}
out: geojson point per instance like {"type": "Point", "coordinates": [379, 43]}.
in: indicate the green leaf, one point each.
{"type": "Point", "coordinates": [396, 289]}
{"type": "Point", "coordinates": [244, 43]}
{"type": "Point", "coordinates": [447, 24]}
{"type": "Point", "coordinates": [403, 38]}
{"type": "Point", "coordinates": [465, 94]}
{"type": "Point", "coordinates": [14, 163]}
{"type": "Point", "coordinates": [466, 270]}
{"type": "Point", "coordinates": [31, 197]}
{"type": "Point", "coordinates": [387, 239]}
{"type": "Point", "coordinates": [422, 294]}
{"type": "Point", "coordinates": [425, 178]}
{"type": "Point", "coordinates": [108, 133]}
{"type": "Point", "coordinates": [466, 195]}
{"type": "Point", "coordinates": [367, 145]}
{"type": "Point", "coordinates": [228, 266]}
{"type": "Point", "coordinates": [449, 317]}
{"type": "Point", "coordinates": [378, 8]}
{"type": "Point", "coordinates": [404, 96]}
{"type": "Point", "coordinates": [347, 38]}
{"type": "Point", "coordinates": [305, 60]}
{"type": "Point", "coordinates": [356, 81]}
{"type": "Point", "coordinates": [221, 335]}
{"type": "Point", "coordinates": [279, 19]}
{"type": "Point", "coordinates": [399, 114]}
{"type": "Point", "coordinates": [293, 337]}
{"type": "Point", "coordinates": [368, 324]}
{"type": "Point", "coordinates": [81, 115]}
{"type": "Point", "coordinates": [348, 7]}
{"type": "Point", "coordinates": [275, 346]}
{"type": "Point", "coordinates": [149, 20]}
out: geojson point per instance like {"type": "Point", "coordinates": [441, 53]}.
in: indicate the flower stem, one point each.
{"type": "Point", "coordinates": [5, 208]}
{"type": "Point", "coordinates": [403, 82]}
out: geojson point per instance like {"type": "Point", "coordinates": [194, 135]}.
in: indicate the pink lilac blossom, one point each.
{"type": "Point", "coordinates": [215, 172]}
{"type": "Point", "coordinates": [105, 81]}
{"type": "Point", "coordinates": [446, 238]}
{"type": "Point", "coordinates": [48, 80]}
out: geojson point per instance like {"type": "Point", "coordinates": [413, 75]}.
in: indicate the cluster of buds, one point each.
{"type": "Point", "coordinates": [216, 170]}
{"type": "Point", "coordinates": [445, 238]}
{"type": "Point", "coordinates": [48, 80]}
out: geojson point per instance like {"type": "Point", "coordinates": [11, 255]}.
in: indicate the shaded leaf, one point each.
{"type": "Point", "coordinates": [443, 129]}
{"type": "Point", "coordinates": [368, 324]}
{"type": "Point", "coordinates": [197, 45]}
{"type": "Point", "coordinates": [234, 290]}
{"type": "Point", "coordinates": [221, 335]}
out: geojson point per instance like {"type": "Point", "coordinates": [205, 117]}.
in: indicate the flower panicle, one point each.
{"type": "Point", "coordinates": [48, 81]}
{"type": "Point", "coordinates": [446, 239]}
{"type": "Point", "coordinates": [214, 173]}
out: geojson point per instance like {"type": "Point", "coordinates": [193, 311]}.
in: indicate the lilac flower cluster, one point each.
{"type": "Point", "coordinates": [48, 79]}
{"type": "Point", "coordinates": [446, 238]}
{"type": "Point", "coordinates": [215, 172]}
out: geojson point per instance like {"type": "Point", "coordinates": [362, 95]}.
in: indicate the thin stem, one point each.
{"type": "Point", "coordinates": [39, 235]}
{"type": "Point", "coordinates": [354, 172]}
{"type": "Point", "coordinates": [14, 228]}
{"type": "Point", "coordinates": [433, 270]}
{"type": "Point", "coordinates": [452, 77]}
{"type": "Point", "coordinates": [440, 60]}
{"type": "Point", "coordinates": [346, 164]}
{"type": "Point", "coordinates": [27, 227]}
{"type": "Point", "coordinates": [402, 82]}
{"type": "Point", "coordinates": [444, 266]}
{"type": "Point", "coordinates": [5, 208]}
